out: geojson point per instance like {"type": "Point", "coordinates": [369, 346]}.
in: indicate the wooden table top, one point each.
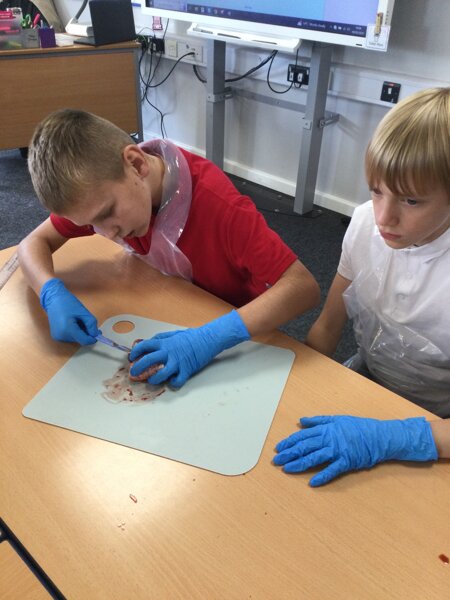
{"type": "Point", "coordinates": [24, 52]}
{"type": "Point", "coordinates": [194, 534]}
{"type": "Point", "coordinates": [17, 580]}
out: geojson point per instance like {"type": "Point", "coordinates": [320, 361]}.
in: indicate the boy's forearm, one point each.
{"type": "Point", "coordinates": [441, 434]}
{"type": "Point", "coordinates": [323, 337]}
{"type": "Point", "coordinates": [35, 254]}
{"type": "Point", "coordinates": [326, 332]}
{"type": "Point", "coordinates": [36, 262]}
{"type": "Point", "coordinates": [294, 293]}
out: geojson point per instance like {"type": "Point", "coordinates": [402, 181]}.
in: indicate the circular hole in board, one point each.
{"type": "Point", "coordinates": [123, 326]}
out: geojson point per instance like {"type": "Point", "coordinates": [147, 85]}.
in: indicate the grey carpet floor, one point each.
{"type": "Point", "coordinates": [316, 240]}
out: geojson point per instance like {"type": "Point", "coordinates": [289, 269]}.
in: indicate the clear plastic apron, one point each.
{"type": "Point", "coordinates": [397, 356]}
{"type": "Point", "coordinates": [164, 255]}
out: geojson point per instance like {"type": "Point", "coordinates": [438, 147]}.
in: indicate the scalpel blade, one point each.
{"type": "Point", "coordinates": [112, 343]}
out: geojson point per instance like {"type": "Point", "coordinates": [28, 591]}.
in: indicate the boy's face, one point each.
{"type": "Point", "coordinates": [116, 208]}
{"type": "Point", "coordinates": [404, 221]}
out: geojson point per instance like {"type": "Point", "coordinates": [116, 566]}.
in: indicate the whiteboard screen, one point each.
{"type": "Point", "coordinates": [348, 22]}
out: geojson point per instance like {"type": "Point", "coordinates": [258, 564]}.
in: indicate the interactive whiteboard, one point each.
{"type": "Point", "coordinates": [283, 24]}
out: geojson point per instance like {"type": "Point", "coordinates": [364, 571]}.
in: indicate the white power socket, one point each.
{"type": "Point", "coordinates": [186, 47]}
{"type": "Point", "coordinates": [171, 48]}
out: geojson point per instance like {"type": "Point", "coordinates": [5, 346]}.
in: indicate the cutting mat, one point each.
{"type": "Point", "coordinates": [217, 421]}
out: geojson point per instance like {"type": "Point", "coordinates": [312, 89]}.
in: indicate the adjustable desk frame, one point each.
{"type": "Point", "coordinates": [314, 120]}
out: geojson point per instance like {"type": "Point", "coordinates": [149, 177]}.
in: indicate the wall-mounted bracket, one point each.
{"type": "Point", "coordinates": [227, 93]}
{"type": "Point", "coordinates": [328, 119]}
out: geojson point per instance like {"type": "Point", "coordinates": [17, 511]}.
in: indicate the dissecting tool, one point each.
{"type": "Point", "coordinates": [104, 340]}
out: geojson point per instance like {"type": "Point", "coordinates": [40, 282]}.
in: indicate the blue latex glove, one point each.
{"type": "Point", "coordinates": [183, 353]}
{"type": "Point", "coordinates": [352, 443]}
{"type": "Point", "coordinates": [69, 320]}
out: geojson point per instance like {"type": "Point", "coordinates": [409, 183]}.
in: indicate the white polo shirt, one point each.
{"type": "Point", "coordinates": [408, 291]}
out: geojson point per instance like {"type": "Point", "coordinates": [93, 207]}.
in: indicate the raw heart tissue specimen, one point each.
{"type": "Point", "coordinates": [123, 387]}
{"type": "Point", "coordinates": [148, 372]}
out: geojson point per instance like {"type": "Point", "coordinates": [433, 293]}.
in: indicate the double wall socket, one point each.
{"type": "Point", "coordinates": [176, 49]}
{"type": "Point", "coordinates": [298, 74]}
{"type": "Point", "coordinates": [186, 47]}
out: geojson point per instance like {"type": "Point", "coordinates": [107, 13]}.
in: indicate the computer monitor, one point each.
{"type": "Point", "coordinates": [283, 24]}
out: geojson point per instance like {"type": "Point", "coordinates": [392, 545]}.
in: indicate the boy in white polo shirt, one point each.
{"type": "Point", "coordinates": [393, 280]}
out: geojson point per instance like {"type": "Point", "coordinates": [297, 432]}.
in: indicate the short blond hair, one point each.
{"type": "Point", "coordinates": [71, 151]}
{"type": "Point", "coordinates": [410, 150]}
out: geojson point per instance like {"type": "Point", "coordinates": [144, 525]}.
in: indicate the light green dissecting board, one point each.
{"type": "Point", "coordinates": [218, 420]}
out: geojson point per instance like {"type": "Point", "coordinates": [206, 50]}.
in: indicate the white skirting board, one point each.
{"type": "Point", "coordinates": [284, 186]}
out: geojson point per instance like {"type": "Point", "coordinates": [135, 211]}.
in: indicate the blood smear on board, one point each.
{"type": "Point", "coordinates": [444, 559]}
{"type": "Point", "coordinates": [119, 388]}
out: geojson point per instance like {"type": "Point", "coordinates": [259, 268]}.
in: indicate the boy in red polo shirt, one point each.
{"type": "Point", "coordinates": [179, 213]}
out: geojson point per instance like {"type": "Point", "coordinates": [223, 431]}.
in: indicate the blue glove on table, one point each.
{"type": "Point", "coordinates": [69, 320]}
{"type": "Point", "coordinates": [185, 352]}
{"type": "Point", "coordinates": [352, 443]}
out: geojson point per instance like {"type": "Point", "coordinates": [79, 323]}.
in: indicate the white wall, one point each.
{"type": "Point", "coordinates": [262, 141]}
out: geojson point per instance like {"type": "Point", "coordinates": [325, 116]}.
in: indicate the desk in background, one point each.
{"type": "Point", "coordinates": [194, 534]}
{"type": "Point", "coordinates": [36, 81]}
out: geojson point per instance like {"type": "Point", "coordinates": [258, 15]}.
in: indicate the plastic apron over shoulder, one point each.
{"type": "Point", "coordinates": [398, 356]}
{"type": "Point", "coordinates": [164, 255]}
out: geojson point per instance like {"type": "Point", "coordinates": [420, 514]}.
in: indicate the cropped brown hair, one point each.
{"type": "Point", "coordinates": [71, 151]}
{"type": "Point", "coordinates": [410, 150]}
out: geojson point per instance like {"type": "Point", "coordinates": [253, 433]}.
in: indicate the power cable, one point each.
{"type": "Point", "coordinates": [238, 77]}
{"type": "Point", "coordinates": [146, 80]}
{"type": "Point", "coordinates": [172, 69]}
{"type": "Point", "coordinates": [268, 76]}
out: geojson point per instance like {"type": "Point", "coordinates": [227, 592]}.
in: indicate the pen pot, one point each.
{"type": "Point", "coordinates": [30, 38]}
{"type": "Point", "coordinates": [47, 37]}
